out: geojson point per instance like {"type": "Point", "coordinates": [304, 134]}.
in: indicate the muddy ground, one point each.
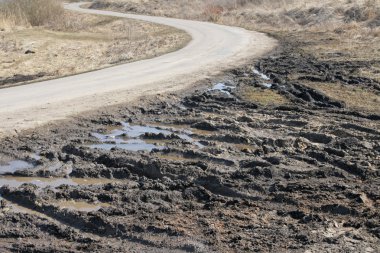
{"type": "Point", "coordinates": [253, 160]}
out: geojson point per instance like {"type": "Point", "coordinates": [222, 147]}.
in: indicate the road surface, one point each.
{"type": "Point", "coordinates": [213, 48]}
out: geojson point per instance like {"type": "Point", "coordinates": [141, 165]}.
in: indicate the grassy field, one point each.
{"type": "Point", "coordinates": [263, 96]}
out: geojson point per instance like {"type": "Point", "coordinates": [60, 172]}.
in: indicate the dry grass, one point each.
{"type": "Point", "coordinates": [30, 13]}
{"type": "Point", "coordinates": [264, 97]}
{"type": "Point", "coordinates": [87, 42]}
{"type": "Point", "coordinates": [355, 97]}
{"type": "Point", "coordinates": [260, 14]}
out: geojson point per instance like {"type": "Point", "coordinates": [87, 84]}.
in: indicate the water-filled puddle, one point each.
{"type": "Point", "coordinates": [131, 145]}
{"type": "Point", "coordinates": [222, 87]}
{"type": "Point", "coordinates": [81, 205]}
{"type": "Point", "coordinates": [71, 205]}
{"type": "Point", "coordinates": [264, 77]}
{"type": "Point", "coordinates": [20, 209]}
{"type": "Point", "coordinates": [136, 138]}
{"type": "Point", "coordinates": [267, 85]}
{"type": "Point", "coordinates": [13, 166]}
{"type": "Point", "coordinates": [42, 182]}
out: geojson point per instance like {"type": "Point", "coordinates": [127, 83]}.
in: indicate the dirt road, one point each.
{"type": "Point", "coordinates": [213, 48]}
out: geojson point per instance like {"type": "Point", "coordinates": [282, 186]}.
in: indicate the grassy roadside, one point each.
{"type": "Point", "coordinates": [69, 43]}
{"type": "Point", "coordinates": [340, 33]}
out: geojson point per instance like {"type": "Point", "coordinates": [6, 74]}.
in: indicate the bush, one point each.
{"type": "Point", "coordinates": [31, 12]}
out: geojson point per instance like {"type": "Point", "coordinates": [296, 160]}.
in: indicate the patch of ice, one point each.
{"type": "Point", "coordinates": [14, 166]}
{"type": "Point", "coordinates": [262, 75]}
{"type": "Point", "coordinates": [222, 88]}
{"type": "Point", "coordinates": [267, 85]}
{"type": "Point", "coordinates": [119, 138]}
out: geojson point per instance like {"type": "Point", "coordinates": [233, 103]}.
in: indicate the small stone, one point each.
{"type": "Point", "coordinates": [29, 52]}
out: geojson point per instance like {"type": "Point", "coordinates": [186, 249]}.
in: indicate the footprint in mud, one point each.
{"type": "Point", "coordinates": [134, 138]}
{"type": "Point", "coordinates": [10, 165]}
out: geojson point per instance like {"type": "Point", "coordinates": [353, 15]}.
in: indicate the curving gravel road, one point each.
{"type": "Point", "coordinates": [212, 49]}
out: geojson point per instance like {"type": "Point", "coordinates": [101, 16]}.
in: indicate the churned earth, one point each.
{"type": "Point", "coordinates": [258, 159]}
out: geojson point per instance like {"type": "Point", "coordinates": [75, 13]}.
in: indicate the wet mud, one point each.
{"type": "Point", "coordinates": [207, 170]}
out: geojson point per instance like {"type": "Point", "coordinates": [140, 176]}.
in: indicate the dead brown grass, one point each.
{"type": "Point", "coordinates": [31, 12]}
{"type": "Point", "coordinates": [264, 97]}
{"type": "Point", "coordinates": [86, 42]}
{"type": "Point", "coordinates": [356, 98]}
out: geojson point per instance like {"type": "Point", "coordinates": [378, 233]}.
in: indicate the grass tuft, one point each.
{"type": "Point", "coordinates": [264, 97]}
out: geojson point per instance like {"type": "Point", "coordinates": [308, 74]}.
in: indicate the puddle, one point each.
{"type": "Point", "coordinates": [131, 137]}
{"type": "Point", "coordinates": [182, 131]}
{"type": "Point", "coordinates": [81, 205]}
{"type": "Point", "coordinates": [132, 145]}
{"type": "Point", "coordinates": [35, 156]}
{"type": "Point", "coordinates": [262, 75]}
{"type": "Point", "coordinates": [222, 87]}
{"type": "Point", "coordinates": [71, 205]}
{"type": "Point", "coordinates": [183, 128]}
{"type": "Point", "coordinates": [134, 131]}
{"type": "Point", "coordinates": [189, 139]}
{"type": "Point", "coordinates": [42, 182]}
{"type": "Point", "coordinates": [267, 85]}
{"type": "Point", "coordinates": [20, 209]}
{"type": "Point", "coordinates": [95, 181]}
{"type": "Point", "coordinates": [15, 165]}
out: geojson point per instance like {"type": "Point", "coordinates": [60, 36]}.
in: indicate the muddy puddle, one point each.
{"type": "Point", "coordinates": [42, 182]}
{"type": "Point", "coordinates": [132, 145]}
{"type": "Point", "coordinates": [81, 205]}
{"type": "Point", "coordinates": [21, 209]}
{"type": "Point", "coordinates": [141, 138]}
{"type": "Point", "coordinates": [13, 166]}
{"type": "Point", "coordinates": [223, 88]}
{"type": "Point", "coordinates": [183, 128]}
{"type": "Point", "coordinates": [264, 77]}
{"type": "Point", "coordinates": [260, 74]}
